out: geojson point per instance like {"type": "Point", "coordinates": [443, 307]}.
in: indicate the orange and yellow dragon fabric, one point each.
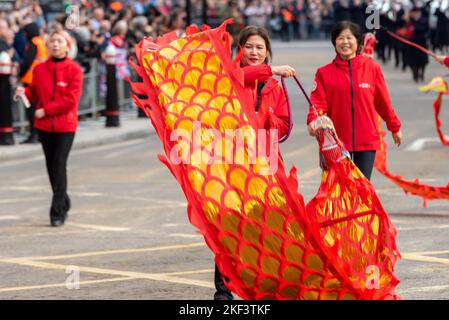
{"type": "Point", "coordinates": [251, 215]}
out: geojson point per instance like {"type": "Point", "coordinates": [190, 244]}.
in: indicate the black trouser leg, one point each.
{"type": "Point", "coordinates": [223, 293]}
{"type": "Point", "coordinates": [6, 129]}
{"type": "Point", "coordinates": [57, 148]}
{"type": "Point", "coordinates": [364, 160]}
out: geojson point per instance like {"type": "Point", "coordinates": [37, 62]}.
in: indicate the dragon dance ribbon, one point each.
{"type": "Point", "coordinates": [438, 85]}
{"type": "Point", "coordinates": [426, 192]}
{"type": "Point", "coordinates": [253, 218]}
{"type": "Point", "coordinates": [411, 43]}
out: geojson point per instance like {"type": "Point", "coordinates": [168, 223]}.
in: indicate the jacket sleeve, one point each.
{"type": "Point", "coordinates": [383, 105]}
{"type": "Point", "coordinates": [318, 98]}
{"type": "Point", "coordinates": [30, 91]}
{"type": "Point", "coordinates": [70, 99]}
{"type": "Point", "coordinates": [28, 59]}
{"type": "Point", "coordinates": [279, 118]}
{"type": "Point", "coordinates": [256, 73]}
{"type": "Point", "coordinates": [446, 61]}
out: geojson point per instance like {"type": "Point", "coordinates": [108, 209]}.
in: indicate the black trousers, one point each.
{"type": "Point", "coordinates": [112, 105]}
{"type": "Point", "coordinates": [6, 129]}
{"type": "Point", "coordinates": [57, 147]}
{"type": "Point", "coordinates": [364, 160]}
{"type": "Point", "coordinates": [220, 286]}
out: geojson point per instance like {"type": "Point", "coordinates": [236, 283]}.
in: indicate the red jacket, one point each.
{"type": "Point", "coordinates": [57, 87]}
{"type": "Point", "coordinates": [272, 108]}
{"type": "Point", "coordinates": [352, 93]}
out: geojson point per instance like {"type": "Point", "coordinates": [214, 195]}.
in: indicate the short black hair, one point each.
{"type": "Point", "coordinates": [355, 29]}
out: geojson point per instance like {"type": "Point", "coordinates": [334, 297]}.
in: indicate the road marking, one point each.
{"type": "Point", "coordinates": [442, 226]}
{"type": "Point", "coordinates": [169, 225]}
{"type": "Point", "coordinates": [108, 252]}
{"type": "Point", "coordinates": [418, 144]}
{"type": "Point", "coordinates": [430, 252]}
{"type": "Point", "coordinates": [131, 274]}
{"type": "Point", "coordinates": [190, 272]}
{"type": "Point", "coordinates": [64, 285]}
{"type": "Point", "coordinates": [423, 289]}
{"type": "Point", "coordinates": [3, 218]}
{"type": "Point", "coordinates": [185, 235]}
{"type": "Point", "coordinates": [40, 234]}
{"type": "Point", "coordinates": [97, 227]}
{"type": "Point", "coordinates": [422, 258]}
{"type": "Point", "coordinates": [74, 153]}
{"type": "Point", "coordinates": [24, 199]}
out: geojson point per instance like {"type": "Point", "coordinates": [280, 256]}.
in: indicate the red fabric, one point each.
{"type": "Point", "coordinates": [273, 109]}
{"type": "Point", "coordinates": [255, 223]}
{"type": "Point", "coordinates": [437, 109]}
{"type": "Point", "coordinates": [332, 96]}
{"type": "Point", "coordinates": [426, 192]}
{"type": "Point", "coordinates": [57, 86]}
{"type": "Point", "coordinates": [446, 61]}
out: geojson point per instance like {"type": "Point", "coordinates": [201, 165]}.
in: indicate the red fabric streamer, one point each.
{"type": "Point", "coordinates": [427, 192]}
{"type": "Point", "coordinates": [397, 37]}
{"type": "Point", "coordinates": [437, 109]}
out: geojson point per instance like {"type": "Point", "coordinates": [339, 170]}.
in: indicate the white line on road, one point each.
{"type": "Point", "coordinates": [131, 274]}
{"type": "Point", "coordinates": [423, 289]}
{"type": "Point", "coordinates": [97, 227]}
{"type": "Point", "coordinates": [421, 258]}
{"type": "Point", "coordinates": [3, 218]}
{"type": "Point", "coordinates": [185, 235]}
{"type": "Point", "coordinates": [64, 285]}
{"type": "Point", "coordinates": [441, 226]}
{"type": "Point", "coordinates": [418, 144]}
{"type": "Point", "coordinates": [109, 252]}
{"type": "Point", "coordinates": [23, 199]}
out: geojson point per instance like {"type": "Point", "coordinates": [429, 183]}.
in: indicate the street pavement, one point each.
{"type": "Point", "coordinates": [128, 235]}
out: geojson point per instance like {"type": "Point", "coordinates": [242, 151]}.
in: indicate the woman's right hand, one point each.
{"type": "Point", "coordinates": [283, 71]}
{"type": "Point", "coordinates": [19, 91]}
{"type": "Point", "coordinates": [440, 59]}
{"type": "Point", "coordinates": [311, 128]}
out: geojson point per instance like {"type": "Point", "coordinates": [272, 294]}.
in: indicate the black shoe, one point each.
{"type": "Point", "coordinates": [222, 295]}
{"type": "Point", "coordinates": [31, 139]}
{"type": "Point", "coordinates": [58, 220]}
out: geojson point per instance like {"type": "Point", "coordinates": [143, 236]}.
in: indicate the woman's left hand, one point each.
{"type": "Point", "coordinates": [40, 113]}
{"type": "Point", "coordinates": [283, 71]}
{"type": "Point", "coordinates": [397, 137]}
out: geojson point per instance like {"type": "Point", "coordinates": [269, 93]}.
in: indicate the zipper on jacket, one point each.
{"type": "Point", "coordinates": [352, 105]}
{"type": "Point", "coordinates": [53, 99]}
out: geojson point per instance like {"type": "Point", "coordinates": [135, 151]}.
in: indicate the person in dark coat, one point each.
{"type": "Point", "coordinates": [416, 59]}
{"type": "Point", "coordinates": [6, 128]}
{"type": "Point", "coordinates": [442, 32]}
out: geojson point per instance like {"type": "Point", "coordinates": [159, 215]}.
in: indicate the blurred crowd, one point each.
{"type": "Point", "coordinates": [99, 27]}
{"type": "Point", "coordinates": [94, 24]}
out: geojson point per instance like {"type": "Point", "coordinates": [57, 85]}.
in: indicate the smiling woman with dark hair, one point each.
{"type": "Point", "coordinates": [351, 90]}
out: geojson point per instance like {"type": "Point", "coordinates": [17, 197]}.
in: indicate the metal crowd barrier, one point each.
{"type": "Point", "coordinates": [91, 102]}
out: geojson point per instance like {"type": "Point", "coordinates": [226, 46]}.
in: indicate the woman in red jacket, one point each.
{"type": "Point", "coordinates": [269, 99]}
{"type": "Point", "coordinates": [57, 86]}
{"type": "Point", "coordinates": [351, 90]}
